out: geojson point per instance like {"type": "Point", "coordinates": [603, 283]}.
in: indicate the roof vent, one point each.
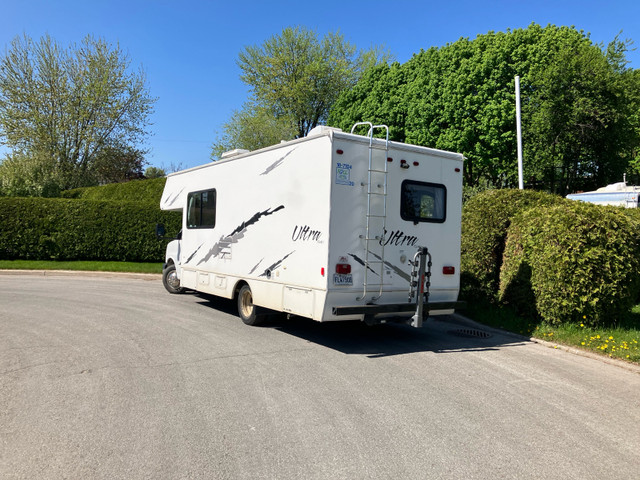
{"type": "Point", "coordinates": [322, 130]}
{"type": "Point", "coordinates": [233, 153]}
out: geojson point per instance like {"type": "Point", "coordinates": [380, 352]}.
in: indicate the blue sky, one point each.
{"type": "Point", "coordinates": [189, 49]}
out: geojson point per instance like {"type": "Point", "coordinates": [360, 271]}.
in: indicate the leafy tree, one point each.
{"type": "Point", "coordinates": [74, 107]}
{"type": "Point", "coordinates": [34, 175]}
{"type": "Point", "coordinates": [114, 165]}
{"type": "Point", "coordinates": [294, 79]}
{"type": "Point", "coordinates": [154, 172]}
{"type": "Point", "coordinates": [253, 127]}
{"type": "Point", "coordinates": [577, 122]}
{"type": "Point", "coordinates": [578, 118]}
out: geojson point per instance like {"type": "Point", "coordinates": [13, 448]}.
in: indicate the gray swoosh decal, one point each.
{"type": "Point", "coordinates": [170, 201]}
{"type": "Point", "coordinates": [277, 163]}
{"type": "Point", "coordinates": [256, 267]}
{"type": "Point", "coordinates": [361, 262]}
{"type": "Point", "coordinates": [237, 234]}
{"type": "Point", "coordinates": [193, 254]}
{"type": "Point", "coordinates": [275, 265]}
{"type": "Point", "coordinates": [400, 273]}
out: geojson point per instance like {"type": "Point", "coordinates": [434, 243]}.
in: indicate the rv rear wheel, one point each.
{"type": "Point", "coordinates": [249, 313]}
{"type": "Point", "coordinates": [170, 280]}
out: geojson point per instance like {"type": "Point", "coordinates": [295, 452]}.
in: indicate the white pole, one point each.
{"type": "Point", "coordinates": [519, 134]}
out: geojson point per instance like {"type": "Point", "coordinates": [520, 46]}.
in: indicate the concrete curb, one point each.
{"type": "Point", "coordinates": [82, 273]}
{"type": "Point", "coordinates": [573, 350]}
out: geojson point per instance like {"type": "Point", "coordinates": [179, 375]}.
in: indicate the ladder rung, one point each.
{"type": "Point", "coordinates": [378, 171]}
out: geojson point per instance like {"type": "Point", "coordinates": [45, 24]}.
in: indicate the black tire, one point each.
{"type": "Point", "coordinates": [248, 312]}
{"type": "Point", "coordinates": [170, 280]}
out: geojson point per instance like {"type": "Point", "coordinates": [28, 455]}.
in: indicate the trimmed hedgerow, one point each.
{"type": "Point", "coordinates": [61, 229]}
{"type": "Point", "coordinates": [138, 191]}
{"type": "Point", "coordinates": [485, 220]}
{"type": "Point", "coordinates": [572, 263]}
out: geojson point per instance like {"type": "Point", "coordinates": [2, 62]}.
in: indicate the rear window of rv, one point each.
{"type": "Point", "coordinates": [201, 209]}
{"type": "Point", "coordinates": [423, 202]}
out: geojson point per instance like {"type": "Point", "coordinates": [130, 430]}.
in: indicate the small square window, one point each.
{"type": "Point", "coordinates": [201, 209]}
{"type": "Point", "coordinates": [423, 202]}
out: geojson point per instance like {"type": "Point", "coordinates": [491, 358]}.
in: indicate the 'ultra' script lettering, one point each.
{"type": "Point", "coordinates": [399, 238]}
{"type": "Point", "coordinates": [305, 233]}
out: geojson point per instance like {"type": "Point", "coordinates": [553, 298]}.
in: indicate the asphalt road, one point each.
{"type": "Point", "coordinates": [114, 378]}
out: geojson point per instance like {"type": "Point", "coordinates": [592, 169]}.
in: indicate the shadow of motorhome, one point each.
{"type": "Point", "coordinates": [446, 334]}
{"type": "Point", "coordinates": [222, 304]}
{"type": "Point", "coordinates": [438, 335]}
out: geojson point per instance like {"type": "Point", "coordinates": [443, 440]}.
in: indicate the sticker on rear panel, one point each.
{"type": "Point", "coordinates": [343, 174]}
{"type": "Point", "coordinates": [342, 279]}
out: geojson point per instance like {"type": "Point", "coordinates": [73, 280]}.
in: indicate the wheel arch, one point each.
{"type": "Point", "coordinates": [238, 286]}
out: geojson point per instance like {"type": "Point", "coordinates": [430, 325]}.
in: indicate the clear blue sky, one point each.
{"type": "Point", "coordinates": [189, 49]}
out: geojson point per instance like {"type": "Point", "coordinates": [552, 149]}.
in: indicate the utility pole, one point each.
{"type": "Point", "coordinates": [519, 134]}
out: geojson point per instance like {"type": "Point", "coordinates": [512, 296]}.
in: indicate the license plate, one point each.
{"type": "Point", "coordinates": [342, 279]}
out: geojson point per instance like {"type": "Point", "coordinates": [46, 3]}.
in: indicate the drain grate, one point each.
{"type": "Point", "coordinates": [470, 332]}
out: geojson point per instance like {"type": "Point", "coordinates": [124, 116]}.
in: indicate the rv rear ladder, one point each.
{"type": "Point", "coordinates": [370, 236]}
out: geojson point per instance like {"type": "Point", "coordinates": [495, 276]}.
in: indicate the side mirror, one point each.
{"type": "Point", "coordinates": [160, 231]}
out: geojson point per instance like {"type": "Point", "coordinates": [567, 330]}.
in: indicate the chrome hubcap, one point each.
{"type": "Point", "coordinates": [173, 280]}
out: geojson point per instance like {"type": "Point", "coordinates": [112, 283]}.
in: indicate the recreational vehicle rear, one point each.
{"type": "Point", "coordinates": [333, 226]}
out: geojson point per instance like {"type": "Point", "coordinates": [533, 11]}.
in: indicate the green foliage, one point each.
{"type": "Point", "coordinates": [76, 112]}
{"type": "Point", "coordinates": [294, 79]}
{"type": "Point", "coordinates": [154, 172]}
{"type": "Point", "coordinates": [578, 119]}
{"type": "Point", "coordinates": [60, 229]}
{"type": "Point", "coordinates": [137, 191]}
{"type": "Point", "coordinates": [30, 176]}
{"type": "Point", "coordinates": [252, 128]}
{"type": "Point", "coordinates": [485, 220]}
{"type": "Point", "coordinates": [113, 165]}
{"type": "Point", "coordinates": [579, 107]}
{"type": "Point", "coordinates": [572, 263]}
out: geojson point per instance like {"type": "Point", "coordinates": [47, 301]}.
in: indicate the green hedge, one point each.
{"type": "Point", "coordinates": [574, 262]}
{"type": "Point", "coordinates": [485, 220]}
{"type": "Point", "coordinates": [138, 191]}
{"type": "Point", "coordinates": [62, 229]}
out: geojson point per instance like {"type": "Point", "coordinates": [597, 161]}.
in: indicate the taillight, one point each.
{"type": "Point", "coordinates": [448, 270]}
{"type": "Point", "coordinates": [343, 268]}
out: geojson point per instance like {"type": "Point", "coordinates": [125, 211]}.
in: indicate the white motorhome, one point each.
{"type": "Point", "coordinates": [333, 226]}
{"type": "Point", "coordinates": [618, 194]}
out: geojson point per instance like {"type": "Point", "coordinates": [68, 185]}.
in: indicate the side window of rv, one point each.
{"type": "Point", "coordinates": [201, 209]}
{"type": "Point", "coordinates": [423, 202]}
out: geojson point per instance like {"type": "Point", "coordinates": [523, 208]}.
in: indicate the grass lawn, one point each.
{"type": "Point", "coordinates": [621, 341]}
{"type": "Point", "coordinates": [131, 267]}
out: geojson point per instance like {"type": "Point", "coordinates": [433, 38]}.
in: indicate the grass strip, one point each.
{"type": "Point", "coordinates": [88, 266]}
{"type": "Point", "coordinates": [621, 341]}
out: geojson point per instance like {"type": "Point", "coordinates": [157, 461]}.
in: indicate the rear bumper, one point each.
{"type": "Point", "coordinates": [392, 308]}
